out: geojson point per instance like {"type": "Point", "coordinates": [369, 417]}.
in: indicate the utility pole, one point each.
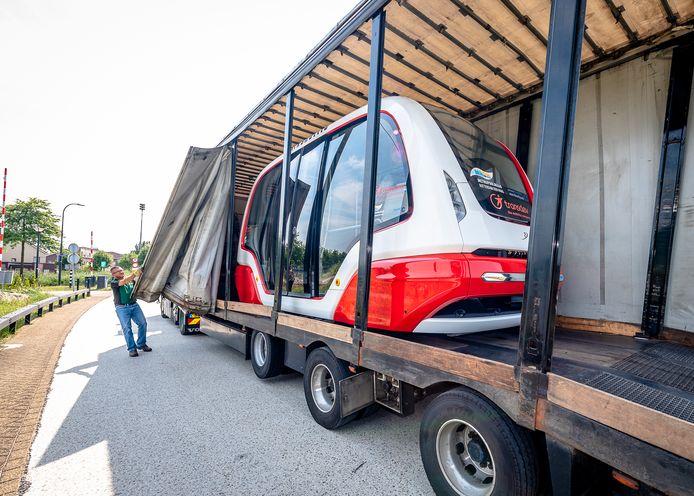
{"type": "Point", "coordinates": [142, 214]}
{"type": "Point", "coordinates": [2, 226]}
{"type": "Point", "coordinates": [38, 243]}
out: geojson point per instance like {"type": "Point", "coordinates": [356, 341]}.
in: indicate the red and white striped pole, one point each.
{"type": "Point", "coordinates": [91, 254]}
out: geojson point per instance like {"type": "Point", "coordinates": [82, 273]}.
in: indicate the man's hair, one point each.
{"type": "Point", "coordinates": [115, 267]}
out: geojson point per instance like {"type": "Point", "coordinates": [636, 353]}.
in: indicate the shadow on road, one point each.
{"type": "Point", "coordinates": [192, 418]}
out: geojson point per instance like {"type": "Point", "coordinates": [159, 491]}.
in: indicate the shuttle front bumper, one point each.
{"type": "Point", "coordinates": [467, 325]}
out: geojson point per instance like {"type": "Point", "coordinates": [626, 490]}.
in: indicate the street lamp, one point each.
{"type": "Point", "coordinates": [60, 253]}
{"type": "Point", "coordinates": [142, 214]}
{"type": "Point", "coordinates": [38, 243]}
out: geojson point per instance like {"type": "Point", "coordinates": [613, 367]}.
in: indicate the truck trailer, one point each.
{"type": "Point", "coordinates": [590, 393]}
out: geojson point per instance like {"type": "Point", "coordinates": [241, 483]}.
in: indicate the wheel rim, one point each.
{"type": "Point", "coordinates": [260, 349]}
{"type": "Point", "coordinates": [323, 388]}
{"type": "Point", "coordinates": [465, 459]}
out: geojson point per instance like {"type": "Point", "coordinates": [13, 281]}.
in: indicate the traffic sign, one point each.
{"type": "Point", "coordinates": [73, 258]}
{"type": "Point", "coordinates": [103, 264]}
{"type": "Point", "coordinates": [73, 248]}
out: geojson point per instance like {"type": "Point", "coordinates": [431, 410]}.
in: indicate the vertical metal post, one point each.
{"type": "Point", "coordinates": [525, 120]}
{"type": "Point", "coordinates": [667, 193]}
{"type": "Point", "coordinates": [38, 243]}
{"type": "Point", "coordinates": [373, 121]}
{"type": "Point", "coordinates": [231, 249]}
{"type": "Point", "coordinates": [284, 184]}
{"type": "Point", "coordinates": [547, 224]}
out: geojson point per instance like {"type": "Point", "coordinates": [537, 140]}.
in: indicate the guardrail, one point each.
{"type": "Point", "coordinates": [10, 320]}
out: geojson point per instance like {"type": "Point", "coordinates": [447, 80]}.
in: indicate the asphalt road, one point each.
{"type": "Point", "coordinates": [191, 418]}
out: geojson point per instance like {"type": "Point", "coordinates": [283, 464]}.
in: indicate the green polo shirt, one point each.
{"type": "Point", "coordinates": [122, 295]}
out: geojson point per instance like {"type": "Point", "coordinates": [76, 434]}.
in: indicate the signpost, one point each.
{"type": "Point", "coordinates": [73, 259]}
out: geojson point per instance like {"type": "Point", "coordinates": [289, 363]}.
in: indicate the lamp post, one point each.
{"type": "Point", "coordinates": [60, 253]}
{"type": "Point", "coordinates": [142, 214]}
{"type": "Point", "coordinates": [38, 243]}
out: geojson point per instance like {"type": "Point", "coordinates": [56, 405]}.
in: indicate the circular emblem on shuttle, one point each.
{"type": "Point", "coordinates": [497, 201]}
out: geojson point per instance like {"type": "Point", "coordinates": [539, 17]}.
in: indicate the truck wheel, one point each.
{"type": "Point", "coordinates": [267, 355]}
{"type": "Point", "coordinates": [161, 309]}
{"type": "Point", "coordinates": [470, 447]}
{"type": "Point", "coordinates": [322, 378]}
{"type": "Point", "coordinates": [183, 323]}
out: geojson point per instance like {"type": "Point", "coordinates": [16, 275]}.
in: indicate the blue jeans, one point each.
{"type": "Point", "coordinates": [133, 312]}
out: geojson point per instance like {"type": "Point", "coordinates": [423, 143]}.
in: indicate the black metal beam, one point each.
{"type": "Point", "coordinates": [323, 107]}
{"type": "Point", "coordinates": [407, 84]}
{"type": "Point", "coordinates": [373, 120]}
{"type": "Point", "coordinates": [669, 14]}
{"type": "Point", "coordinates": [398, 57]}
{"type": "Point", "coordinates": [525, 21]}
{"type": "Point", "coordinates": [525, 121]}
{"type": "Point", "coordinates": [667, 192]}
{"type": "Point", "coordinates": [299, 110]}
{"type": "Point", "coordinates": [443, 30]}
{"type": "Point", "coordinates": [331, 65]}
{"type": "Point", "coordinates": [466, 10]}
{"type": "Point", "coordinates": [284, 185]}
{"type": "Point", "coordinates": [548, 213]}
{"type": "Point", "coordinates": [230, 224]}
{"type": "Point", "coordinates": [617, 14]}
{"type": "Point", "coordinates": [322, 93]}
{"type": "Point", "coordinates": [420, 45]}
{"type": "Point", "coordinates": [356, 17]}
{"type": "Point", "coordinates": [596, 49]}
{"type": "Point", "coordinates": [339, 86]}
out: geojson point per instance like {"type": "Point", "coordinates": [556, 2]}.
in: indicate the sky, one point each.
{"type": "Point", "coordinates": [99, 101]}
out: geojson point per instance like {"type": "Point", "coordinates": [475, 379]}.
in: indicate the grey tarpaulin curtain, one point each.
{"type": "Point", "coordinates": [184, 261]}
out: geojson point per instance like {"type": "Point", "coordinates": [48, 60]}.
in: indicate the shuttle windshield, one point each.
{"type": "Point", "coordinates": [491, 173]}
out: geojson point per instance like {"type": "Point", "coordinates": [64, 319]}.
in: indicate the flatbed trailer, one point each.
{"type": "Point", "coordinates": [610, 411]}
{"type": "Point", "coordinates": [606, 400]}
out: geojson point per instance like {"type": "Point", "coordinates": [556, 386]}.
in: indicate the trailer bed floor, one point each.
{"type": "Point", "coordinates": [655, 374]}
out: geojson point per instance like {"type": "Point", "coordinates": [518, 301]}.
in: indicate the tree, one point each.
{"type": "Point", "coordinates": [24, 221]}
{"type": "Point", "coordinates": [142, 252]}
{"type": "Point", "coordinates": [101, 256]}
{"type": "Point", "coordinates": [125, 260]}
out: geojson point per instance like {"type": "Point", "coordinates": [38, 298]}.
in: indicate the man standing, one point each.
{"type": "Point", "coordinates": [127, 309]}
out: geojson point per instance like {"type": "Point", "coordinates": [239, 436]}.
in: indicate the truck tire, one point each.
{"type": "Point", "coordinates": [183, 323]}
{"type": "Point", "coordinates": [161, 310]}
{"type": "Point", "coordinates": [267, 355]}
{"type": "Point", "coordinates": [470, 447]}
{"type": "Point", "coordinates": [322, 377]}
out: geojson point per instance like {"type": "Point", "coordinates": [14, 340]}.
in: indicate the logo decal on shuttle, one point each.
{"type": "Point", "coordinates": [497, 201]}
{"type": "Point", "coordinates": [476, 171]}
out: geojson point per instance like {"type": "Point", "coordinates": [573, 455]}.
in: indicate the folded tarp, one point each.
{"type": "Point", "coordinates": [184, 261]}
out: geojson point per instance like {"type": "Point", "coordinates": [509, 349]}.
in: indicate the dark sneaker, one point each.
{"type": "Point", "coordinates": [133, 353]}
{"type": "Point", "coordinates": [146, 348]}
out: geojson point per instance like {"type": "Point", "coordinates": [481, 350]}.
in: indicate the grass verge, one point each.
{"type": "Point", "coordinates": [10, 306]}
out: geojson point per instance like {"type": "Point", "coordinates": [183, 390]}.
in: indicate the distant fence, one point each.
{"type": "Point", "coordinates": [10, 320]}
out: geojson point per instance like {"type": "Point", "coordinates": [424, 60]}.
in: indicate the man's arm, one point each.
{"type": "Point", "coordinates": [126, 280]}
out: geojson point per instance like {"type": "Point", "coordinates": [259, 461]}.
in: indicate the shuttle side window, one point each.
{"type": "Point", "coordinates": [263, 224]}
{"type": "Point", "coordinates": [299, 270]}
{"type": "Point", "coordinates": [343, 186]}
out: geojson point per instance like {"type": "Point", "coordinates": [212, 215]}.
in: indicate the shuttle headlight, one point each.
{"type": "Point", "coordinates": [456, 198]}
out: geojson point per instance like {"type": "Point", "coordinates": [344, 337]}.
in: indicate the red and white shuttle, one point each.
{"type": "Point", "coordinates": [451, 225]}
